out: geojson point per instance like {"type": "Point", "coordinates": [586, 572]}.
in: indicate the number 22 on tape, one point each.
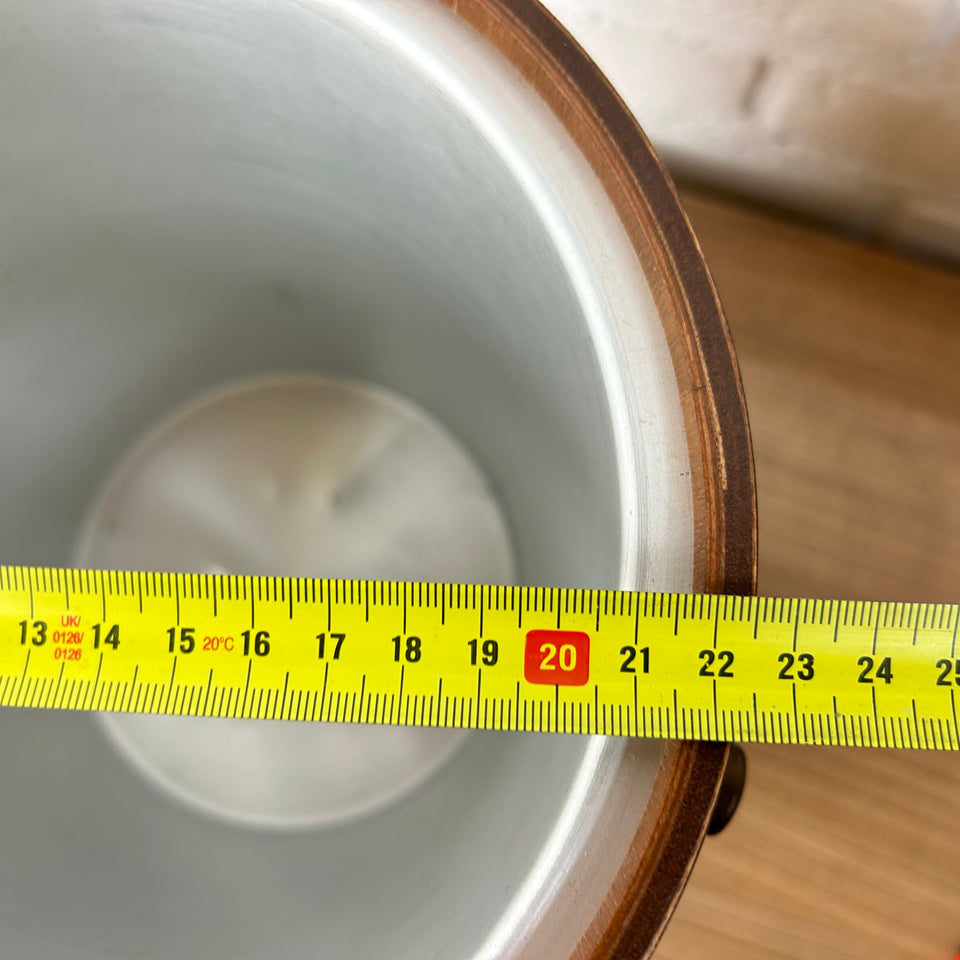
{"type": "Point", "coordinates": [557, 658]}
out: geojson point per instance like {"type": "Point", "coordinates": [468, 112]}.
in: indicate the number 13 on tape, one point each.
{"type": "Point", "coordinates": [557, 658]}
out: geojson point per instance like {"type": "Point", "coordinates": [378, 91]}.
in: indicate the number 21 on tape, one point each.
{"type": "Point", "coordinates": [557, 657]}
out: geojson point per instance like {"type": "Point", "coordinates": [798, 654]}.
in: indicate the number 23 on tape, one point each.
{"type": "Point", "coordinates": [557, 657]}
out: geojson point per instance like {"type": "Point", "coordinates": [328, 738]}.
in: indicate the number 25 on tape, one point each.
{"type": "Point", "coordinates": [557, 657]}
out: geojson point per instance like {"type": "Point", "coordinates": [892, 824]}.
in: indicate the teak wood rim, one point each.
{"type": "Point", "coordinates": [669, 835]}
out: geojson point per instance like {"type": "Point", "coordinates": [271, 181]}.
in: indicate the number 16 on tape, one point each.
{"type": "Point", "coordinates": [557, 658]}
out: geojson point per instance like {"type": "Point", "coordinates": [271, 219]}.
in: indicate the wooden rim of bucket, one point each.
{"type": "Point", "coordinates": [668, 837]}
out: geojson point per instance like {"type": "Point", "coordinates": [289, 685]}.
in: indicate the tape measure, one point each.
{"type": "Point", "coordinates": [494, 658]}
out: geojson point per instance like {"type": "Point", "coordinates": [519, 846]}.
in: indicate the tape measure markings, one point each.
{"type": "Point", "coordinates": [518, 658]}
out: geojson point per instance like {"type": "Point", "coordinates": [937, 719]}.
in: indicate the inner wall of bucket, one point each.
{"type": "Point", "coordinates": [192, 194]}
{"type": "Point", "coordinates": [276, 190]}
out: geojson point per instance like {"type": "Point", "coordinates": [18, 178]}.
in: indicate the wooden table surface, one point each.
{"type": "Point", "coordinates": [851, 367]}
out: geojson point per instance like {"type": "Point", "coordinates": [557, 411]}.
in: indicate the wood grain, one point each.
{"type": "Point", "coordinates": [851, 367]}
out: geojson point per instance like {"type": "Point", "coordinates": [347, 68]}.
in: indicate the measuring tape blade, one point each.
{"type": "Point", "coordinates": [687, 666]}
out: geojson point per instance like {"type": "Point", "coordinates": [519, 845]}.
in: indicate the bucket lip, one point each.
{"type": "Point", "coordinates": [668, 838]}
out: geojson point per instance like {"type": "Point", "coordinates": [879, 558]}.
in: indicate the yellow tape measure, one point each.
{"type": "Point", "coordinates": [495, 658]}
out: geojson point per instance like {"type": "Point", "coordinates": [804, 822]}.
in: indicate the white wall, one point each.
{"type": "Point", "coordinates": [844, 108]}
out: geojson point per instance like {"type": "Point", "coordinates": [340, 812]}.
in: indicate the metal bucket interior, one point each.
{"type": "Point", "coordinates": [197, 196]}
